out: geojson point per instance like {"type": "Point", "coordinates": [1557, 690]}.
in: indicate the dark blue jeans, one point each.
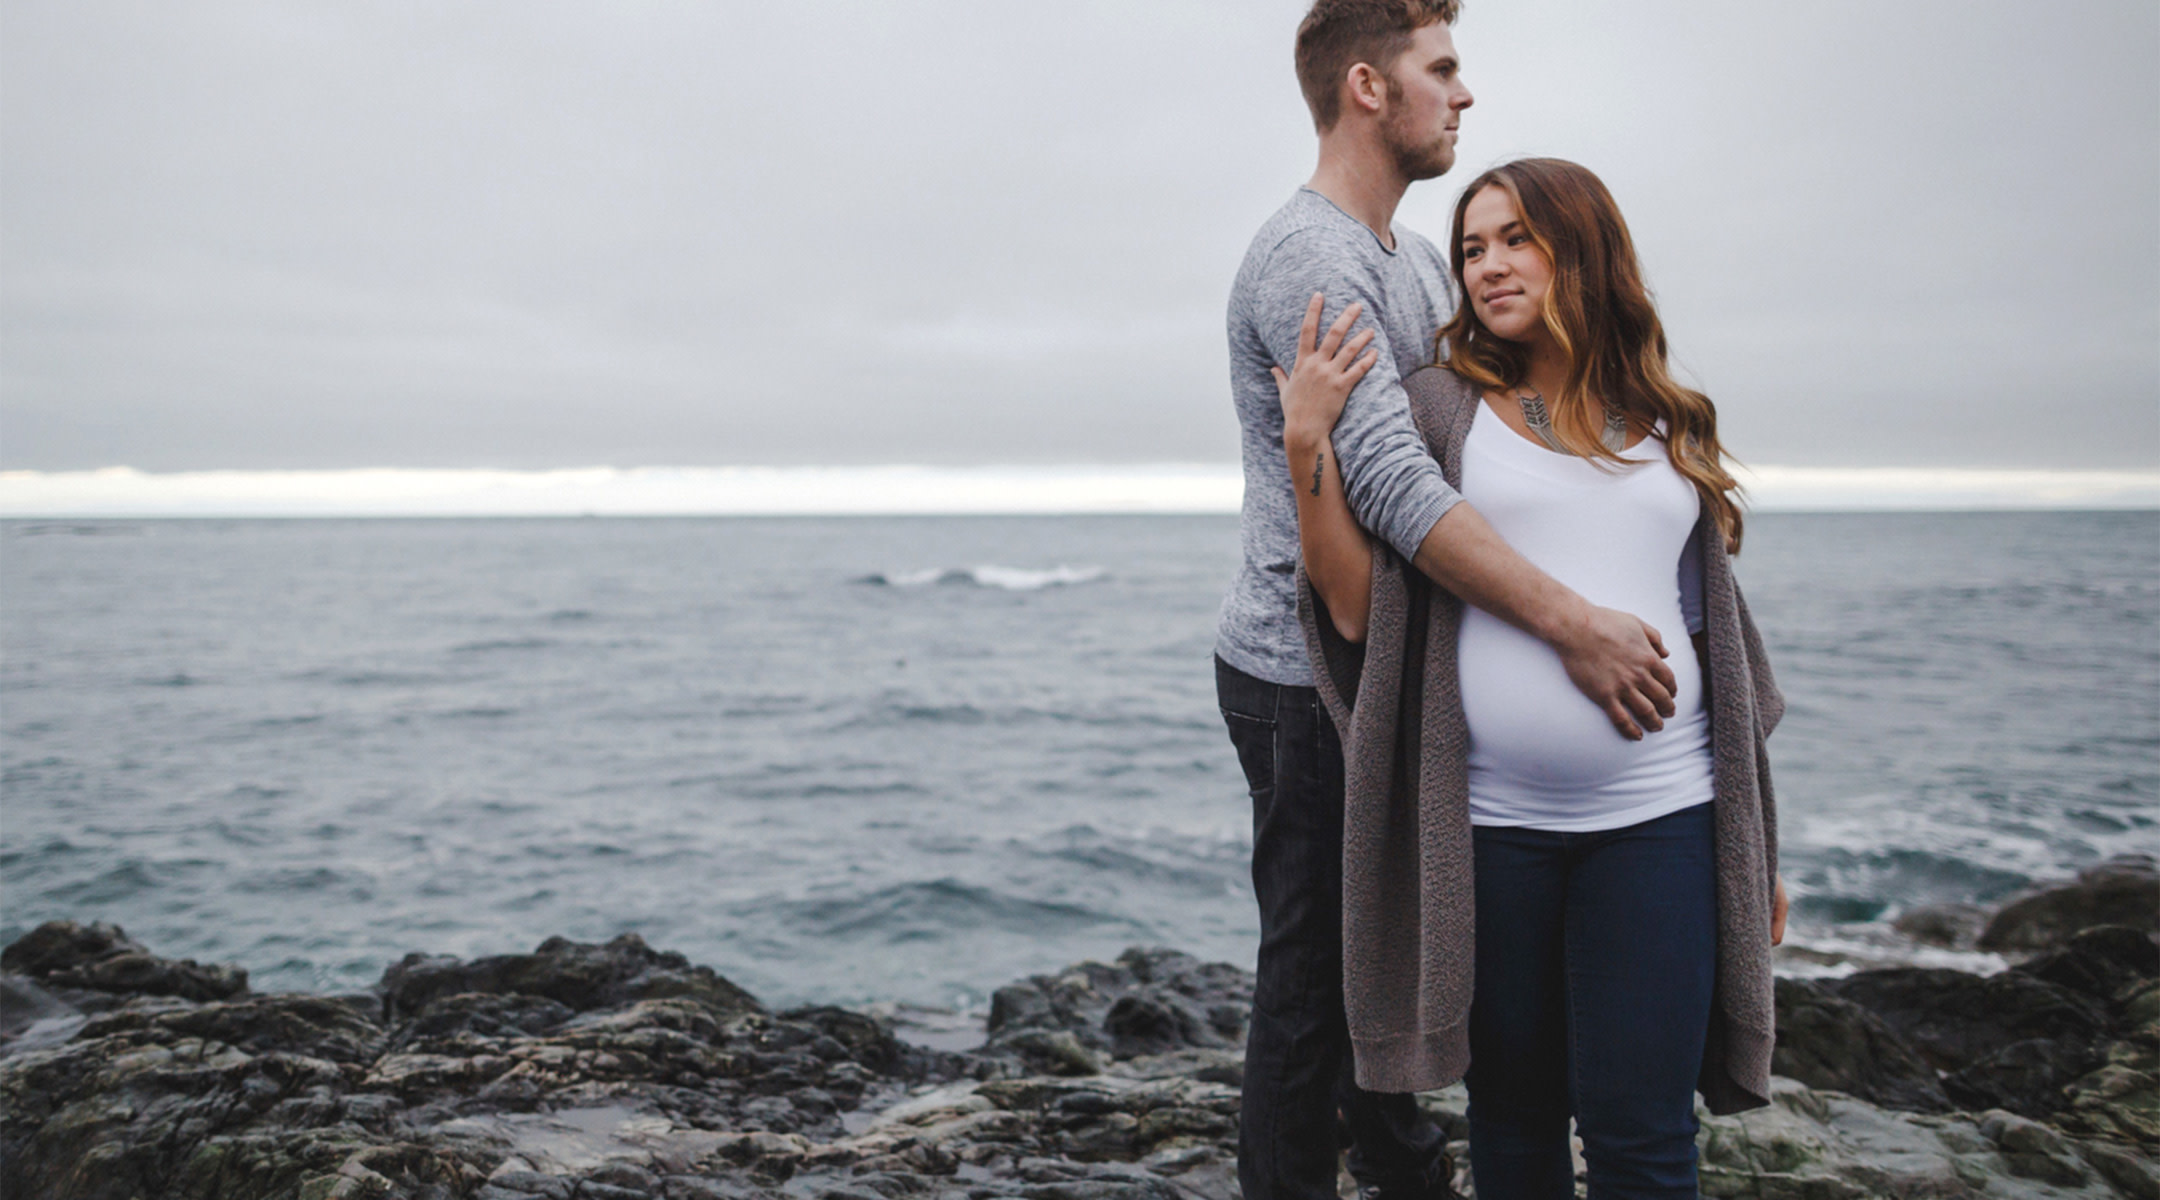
{"type": "Point", "coordinates": [1595, 959]}
{"type": "Point", "coordinates": [1297, 1051]}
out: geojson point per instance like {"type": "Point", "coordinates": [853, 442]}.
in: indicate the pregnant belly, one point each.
{"type": "Point", "coordinates": [1526, 719]}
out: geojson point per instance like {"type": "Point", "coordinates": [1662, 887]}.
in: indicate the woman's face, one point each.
{"type": "Point", "coordinates": [1504, 272]}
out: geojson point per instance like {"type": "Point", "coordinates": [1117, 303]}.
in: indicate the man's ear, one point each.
{"type": "Point", "coordinates": [1365, 88]}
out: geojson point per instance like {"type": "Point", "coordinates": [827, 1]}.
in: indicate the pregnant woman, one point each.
{"type": "Point", "coordinates": [1581, 921]}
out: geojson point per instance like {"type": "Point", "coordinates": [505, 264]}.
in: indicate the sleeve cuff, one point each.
{"type": "Point", "coordinates": [1408, 530]}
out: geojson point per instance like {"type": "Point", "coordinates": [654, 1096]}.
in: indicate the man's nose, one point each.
{"type": "Point", "coordinates": [1463, 98]}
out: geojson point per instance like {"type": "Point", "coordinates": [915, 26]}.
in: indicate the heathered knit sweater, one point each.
{"type": "Point", "coordinates": [1409, 923]}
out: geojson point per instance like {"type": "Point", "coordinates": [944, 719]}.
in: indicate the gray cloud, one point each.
{"type": "Point", "coordinates": [532, 234]}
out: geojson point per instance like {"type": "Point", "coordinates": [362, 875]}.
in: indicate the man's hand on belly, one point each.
{"type": "Point", "coordinates": [1612, 657]}
{"type": "Point", "coordinates": [1618, 660]}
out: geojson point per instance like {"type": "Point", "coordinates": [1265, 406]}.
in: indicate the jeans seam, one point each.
{"type": "Point", "coordinates": [1574, 1009]}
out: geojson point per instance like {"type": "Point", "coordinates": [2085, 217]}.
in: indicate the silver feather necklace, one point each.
{"type": "Point", "coordinates": [1540, 422]}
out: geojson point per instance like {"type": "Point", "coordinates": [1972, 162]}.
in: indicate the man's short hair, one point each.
{"type": "Point", "coordinates": [1339, 34]}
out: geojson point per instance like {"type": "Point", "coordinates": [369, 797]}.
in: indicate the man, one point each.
{"type": "Point", "coordinates": [1383, 82]}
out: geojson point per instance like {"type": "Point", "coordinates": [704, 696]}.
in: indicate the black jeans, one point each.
{"type": "Point", "coordinates": [1297, 1052]}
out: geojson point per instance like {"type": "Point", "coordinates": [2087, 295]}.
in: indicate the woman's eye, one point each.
{"type": "Point", "coordinates": [1517, 239]}
{"type": "Point", "coordinates": [1470, 252]}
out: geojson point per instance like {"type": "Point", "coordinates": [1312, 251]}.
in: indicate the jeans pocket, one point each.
{"type": "Point", "coordinates": [1254, 740]}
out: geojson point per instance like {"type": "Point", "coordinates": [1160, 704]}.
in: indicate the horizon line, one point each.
{"type": "Point", "coordinates": [921, 490]}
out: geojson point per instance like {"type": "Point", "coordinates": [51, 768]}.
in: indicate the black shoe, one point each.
{"type": "Point", "coordinates": [1438, 1184]}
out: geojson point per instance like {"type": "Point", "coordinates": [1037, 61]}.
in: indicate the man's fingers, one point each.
{"type": "Point", "coordinates": [1308, 335]}
{"type": "Point", "coordinates": [1646, 709]}
{"type": "Point", "coordinates": [1657, 640]}
{"type": "Point", "coordinates": [1621, 721]}
{"type": "Point", "coordinates": [1659, 671]}
{"type": "Point", "coordinates": [1658, 691]}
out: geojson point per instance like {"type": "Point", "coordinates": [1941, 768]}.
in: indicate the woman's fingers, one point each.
{"type": "Point", "coordinates": [1353, 347]}
{"type": "Point", "coordinates": [1336, 331]}
{"type": "Point", "coordinates": [1282, 381]}
{"type": "Point", "coordinates": [1357, 369]}
{"type": "Point", "coordinates": [1308, 336]}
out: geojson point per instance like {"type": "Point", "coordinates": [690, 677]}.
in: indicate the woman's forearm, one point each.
{"type": "Point", "coordinates": [1338, 558]}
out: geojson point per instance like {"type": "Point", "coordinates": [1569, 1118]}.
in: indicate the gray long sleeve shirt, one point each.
{"type": "Point", "coordinates": [1395, 487]}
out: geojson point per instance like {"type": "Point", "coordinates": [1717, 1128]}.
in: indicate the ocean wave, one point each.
{"type": "Point", "coordinates": [1834, 953]}
{"type": "Point", "coordinates": [935, 910]}
{"type": "Point", "coordinates": [71, 529]}
{"type": "Point", "coordinates": [494, 644]}
{"type": "Point", "coordinates": [1009, 579]}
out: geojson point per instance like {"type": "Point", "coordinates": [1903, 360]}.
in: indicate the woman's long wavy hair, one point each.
{"type": "Point", "coordinates": [1600, 313]}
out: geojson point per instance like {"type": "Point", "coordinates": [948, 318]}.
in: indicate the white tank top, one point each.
{"type": "Point", "coordinates": [1541, 754]}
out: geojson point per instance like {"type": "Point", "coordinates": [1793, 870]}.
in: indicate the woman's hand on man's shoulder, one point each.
{"type": "Point", "coordinates": [1319, 383]}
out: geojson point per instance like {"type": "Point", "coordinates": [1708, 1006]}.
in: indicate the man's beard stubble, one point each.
{"type": "Point", "coordinates": [1415, 162]}
{"type": "Point", "coordinates": [1418, 162]}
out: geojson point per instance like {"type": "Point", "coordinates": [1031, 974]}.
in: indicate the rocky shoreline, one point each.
{"type": "Point", "coordinates": [617, 1072]}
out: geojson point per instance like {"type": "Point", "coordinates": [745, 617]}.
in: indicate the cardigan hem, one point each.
{"type": "Point", "coordinates": [1745, 1067]}
{"type": "Point", "coordinates": [1413, 1062]}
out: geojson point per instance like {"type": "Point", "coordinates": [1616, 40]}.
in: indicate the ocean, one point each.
{"type": "Point", "coordinates": [907, 760]}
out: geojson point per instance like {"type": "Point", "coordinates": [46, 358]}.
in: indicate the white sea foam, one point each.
{"type": "Point", "coordinates": [899, 490]}
{"type": "Point", "coordinates": [1011, 579]}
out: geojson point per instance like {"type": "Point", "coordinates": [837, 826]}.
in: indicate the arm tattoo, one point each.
{"type": "Point", "coordinates": [1319, 464]}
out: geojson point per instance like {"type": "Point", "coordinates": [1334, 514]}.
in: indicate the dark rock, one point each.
{"type": "Point", "coordinates": [1152, 1021]}
{"type": "Point", "coordinates": [2131, 1173]}
{"type": "Point", "coordinates": [2024, 1077]}
{"type": "Point", "coordinates": [64, 945]}
{"type": "Point", "coordinates": [30, 1016]}
{"type": "Point", "coordinates": [1951, 926]}
{"type": "Point", "coordinates": [2032, 1150]}
{"type": "Point", "coordinates": [1826, 1041]}
{"type": "Point", "coordinates": [290, 1024]}
{"type": "Point", "coordinates": [2120, 1098]}
{"type": "Point", "coordinates": [1055, 1051]}
{"type": "Point", "coordinates": [483, 1014]}
{"type": "Point", "coordinates": [1954, 1019]}
{"type": "Point", "coordinates": [615, 1072]}
{"type": "Point", "coordinates": [2120, 891]}
{"type": "Point", "coordinates": [2099, 961]}
{"type": "Point", "coordinates": [851, 1036]}
{"type": "Point", "coordinates": [578, 974]}
{"type": "Point", "coordinates": [1019, 1005]}
{"type": "Point", "coordinates": [1151, 1001]}
{"type": "Point", "coordinates": [102, 958]}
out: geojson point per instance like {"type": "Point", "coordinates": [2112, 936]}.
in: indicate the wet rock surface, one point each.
{"type": "Point", "coordinates": [616, 1071]}
{"type": "Point", "coordinates": [600, 1072]}
{"type": "Point", "coordinates": [2071, 1036]}
{"type": "Point", "coordinates": [2121, 891]}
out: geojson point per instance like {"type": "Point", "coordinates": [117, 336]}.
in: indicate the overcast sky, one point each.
{"type": "Point", "coordinates": [510, 233]}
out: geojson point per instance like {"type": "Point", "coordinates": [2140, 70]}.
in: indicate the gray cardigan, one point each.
{"type": "Point", "coordinates": [1409, 923]}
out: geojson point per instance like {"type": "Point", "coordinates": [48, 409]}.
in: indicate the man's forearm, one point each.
{"type": "Point", "coordinates": [1464, 554]}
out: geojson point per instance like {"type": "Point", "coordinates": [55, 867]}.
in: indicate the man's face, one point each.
{"type": "Point", "coordinates": [1426, 97]}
